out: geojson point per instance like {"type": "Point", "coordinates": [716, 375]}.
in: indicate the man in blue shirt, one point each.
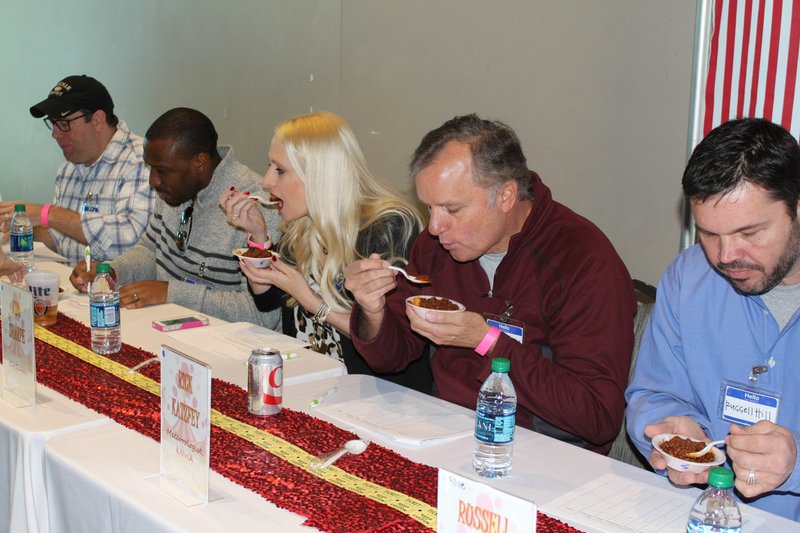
{"type": "Point", "coordinates": [719, 358]}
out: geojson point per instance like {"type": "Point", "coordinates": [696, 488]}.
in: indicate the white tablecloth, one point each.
{"type": "Point", "coordinates": [24, 431]}
{"type": "Point", "coordinates": [102, 476]}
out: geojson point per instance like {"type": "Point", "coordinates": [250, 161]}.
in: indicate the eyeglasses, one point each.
{"type": "Point", "coordinates": [182, 235]}
{"type": "Point", "coordinates": [63, 124]}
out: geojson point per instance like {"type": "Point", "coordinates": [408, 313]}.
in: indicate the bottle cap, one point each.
{"type": "Point", "coordinates": [19, 208]}
{"type": "Point", "coordinates": [103, 268]}
{"type": "Point", "coordinates": [720, 477]}
{"type": "Point", "coordinates": [501, 364]}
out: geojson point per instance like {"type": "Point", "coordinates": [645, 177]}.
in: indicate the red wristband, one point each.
{"type": "Point", "coordinates": [487, 341]}
{"type": "Point", "coordinates": [43, 215]}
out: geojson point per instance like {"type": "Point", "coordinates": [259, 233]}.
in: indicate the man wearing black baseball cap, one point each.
{"type": "Point", "coordinates": [102, 195]}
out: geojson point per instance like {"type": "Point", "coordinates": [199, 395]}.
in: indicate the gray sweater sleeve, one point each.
{"type": "Point", "coordinates": [233, 306]}
{"type": "Point", "coordinates": [138, 263]}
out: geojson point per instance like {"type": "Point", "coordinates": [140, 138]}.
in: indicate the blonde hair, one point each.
{"type": "Point", "coordinates": [343, 198]}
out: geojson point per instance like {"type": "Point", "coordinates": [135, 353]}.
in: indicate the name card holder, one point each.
{"type": "Point", "coordinates": [465, 506]}
{"type": "Point", "coordinates": [19, 352]}
{"type": "Point", "coordinates": [185, 427]}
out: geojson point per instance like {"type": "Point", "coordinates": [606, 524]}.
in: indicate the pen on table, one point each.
{"type": "Point", "coordinates": [88, 258]}
{"type": "Point", "coordinates": [317, 401]}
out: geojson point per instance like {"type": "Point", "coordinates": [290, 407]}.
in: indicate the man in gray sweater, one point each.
{"type": "Point", "coordinates": [185, 256]}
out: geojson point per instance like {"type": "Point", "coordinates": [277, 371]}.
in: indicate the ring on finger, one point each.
{"type": "Point", "coordinates": [751, 477]}
{"type": "Point", "coordinates": [235, 217]}
{"type": "Point", "coordinates": [135, 297]}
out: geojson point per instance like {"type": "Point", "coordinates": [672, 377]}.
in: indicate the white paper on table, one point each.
{"type": "Point", "coordinates": [407, 418]}
{"type": "Point", "coordinates": [617, 504]}
{"type": "Point", "coordinates": [236, 340]}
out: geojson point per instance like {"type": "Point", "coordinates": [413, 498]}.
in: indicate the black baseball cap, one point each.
{"type": "Point", "coordinates": [74, 93]}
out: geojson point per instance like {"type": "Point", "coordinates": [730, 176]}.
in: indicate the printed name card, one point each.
{"type": "Point", "coordinates": [19, 355]}
{"type": "Point", "coordinates": [465, 506]}
{"type": "Point", "coordinates": [185, 427]}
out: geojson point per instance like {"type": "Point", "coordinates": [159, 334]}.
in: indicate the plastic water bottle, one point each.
{"type": "Point", "coordinates": [494, 423]}
{"type": "Point", "coordinates": [21, 232]}
{"type": "Point", "coordinates": [716, 509]}
{"type": "Point", "coordinates": [104, 312]}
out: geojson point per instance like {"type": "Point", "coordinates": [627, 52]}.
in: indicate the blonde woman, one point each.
{"type": "Point", "coordinates": [334, 211]}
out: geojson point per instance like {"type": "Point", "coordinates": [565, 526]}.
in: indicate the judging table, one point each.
{"type": "Point", "coordinates": [90, 484]}
{"type": "Point", "coordinates": [24, 431]}
{"type": "Point", "coordinates": [92, 474]}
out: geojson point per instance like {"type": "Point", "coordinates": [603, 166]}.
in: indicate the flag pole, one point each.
{"type": "Point", "coordinates": [702, 39]}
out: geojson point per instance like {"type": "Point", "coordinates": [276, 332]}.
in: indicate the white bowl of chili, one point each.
{"type": "Point", "coordinates": [256, 257]}
{"type": "Point", "coordinates": [423, 304]}
{"type": "Point", "coordinates": [673, 447]}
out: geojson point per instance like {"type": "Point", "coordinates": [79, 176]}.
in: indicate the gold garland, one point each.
{"type": "Point", "coordinates": [416, 509]}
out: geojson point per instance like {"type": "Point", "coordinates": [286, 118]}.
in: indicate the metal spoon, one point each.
{"type": "Point", "coordinates": [424, 280]}
{"type": "Point", "coordinates": [327, 459]}
{"type": "Point", "coordinates": [704, 451]}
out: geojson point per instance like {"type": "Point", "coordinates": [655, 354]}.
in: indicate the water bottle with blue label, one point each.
{"type": "Point", "coordinates": [495, 417]}
{"type": "Point", "coordinates": [21, 232]}
{"type": "Point", "coordinates": [104, 312]}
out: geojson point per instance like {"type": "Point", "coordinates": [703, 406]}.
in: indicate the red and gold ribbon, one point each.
{"type": "Point", "coordinates": [378, 490]}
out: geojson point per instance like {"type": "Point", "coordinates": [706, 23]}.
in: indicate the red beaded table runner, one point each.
{"type": "Point", "coordinates": [378, 490]}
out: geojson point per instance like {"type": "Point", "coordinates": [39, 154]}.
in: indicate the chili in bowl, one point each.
{"type": "Point", "coordinates": [675, 447]}
{"type": "Point", "coordinates": [423, 304]}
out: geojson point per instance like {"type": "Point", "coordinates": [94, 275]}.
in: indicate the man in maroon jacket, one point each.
{"type": "Point", "coordinates": [542, 286]}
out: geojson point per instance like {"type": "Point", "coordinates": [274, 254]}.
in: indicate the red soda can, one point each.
{"type": "Point", "coordinates": [264, 382]}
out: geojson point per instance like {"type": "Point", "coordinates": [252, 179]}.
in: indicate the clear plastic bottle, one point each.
{"type": "Point", "coordinates": [716, 508]}
{"type": "Point", "coordinates": [104, 312]}
{"type": "Point", "coordinates": [21, 233]}
{"type": "Point", "coordinates": [494, 423]}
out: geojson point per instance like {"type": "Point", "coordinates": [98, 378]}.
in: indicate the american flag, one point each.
{"type": "Point", "coordinates": [753, 63]}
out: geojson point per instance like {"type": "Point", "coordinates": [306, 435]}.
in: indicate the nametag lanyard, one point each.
{"type": "Point", "coordinates": [200, 278]}
{"type": "Point", "coordinates": [90, 204]}
{"type": "Point", "coordinates": [513, 328]}
{"type": "Point", "coordinates": [745, 403]}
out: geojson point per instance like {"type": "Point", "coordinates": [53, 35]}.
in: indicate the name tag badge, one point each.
{"type": "Point", "coordinates": [208, 285]}
{"type": "Point", "coordinates": [512, 328]}
{"type": "Point", "coordinates": [745, 405]}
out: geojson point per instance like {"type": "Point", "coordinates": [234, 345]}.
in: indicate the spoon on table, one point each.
{"type": "Point", "coordinates": [327, 459]}
{"type": "Point", "coordinates": [704, 451]}
{"type": "Point", "coordinates": [422, 279]}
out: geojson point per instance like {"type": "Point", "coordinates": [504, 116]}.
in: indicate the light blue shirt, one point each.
{"type": "Point", "coordinates": [119, 180]}
{"type": "Point", "coordinates": [701, 332]}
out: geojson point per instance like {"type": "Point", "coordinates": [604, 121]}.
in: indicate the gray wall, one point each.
{"type": "Point", "coordinates": [598, 91]}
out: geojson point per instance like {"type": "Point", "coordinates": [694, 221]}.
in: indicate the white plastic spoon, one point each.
{"type": "Point", "coordinates": [704, 451]}
{"type": "Point", "coordinates": [327, 459]}
{"type": "Point", "coordinates": [263, 201]}
{"type": "Point", "coordinates": [424, 280]}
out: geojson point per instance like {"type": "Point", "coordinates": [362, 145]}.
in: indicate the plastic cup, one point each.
{"type": "Point", "coordinates": [44, 288]}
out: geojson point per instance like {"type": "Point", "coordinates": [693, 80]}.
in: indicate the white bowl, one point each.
{"type": "Point", "coordinates": [258, 262]}
{"type": "Point", "coordinates": [422, 310]}
{"type": "Point", "coordinates": [684, 465]}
